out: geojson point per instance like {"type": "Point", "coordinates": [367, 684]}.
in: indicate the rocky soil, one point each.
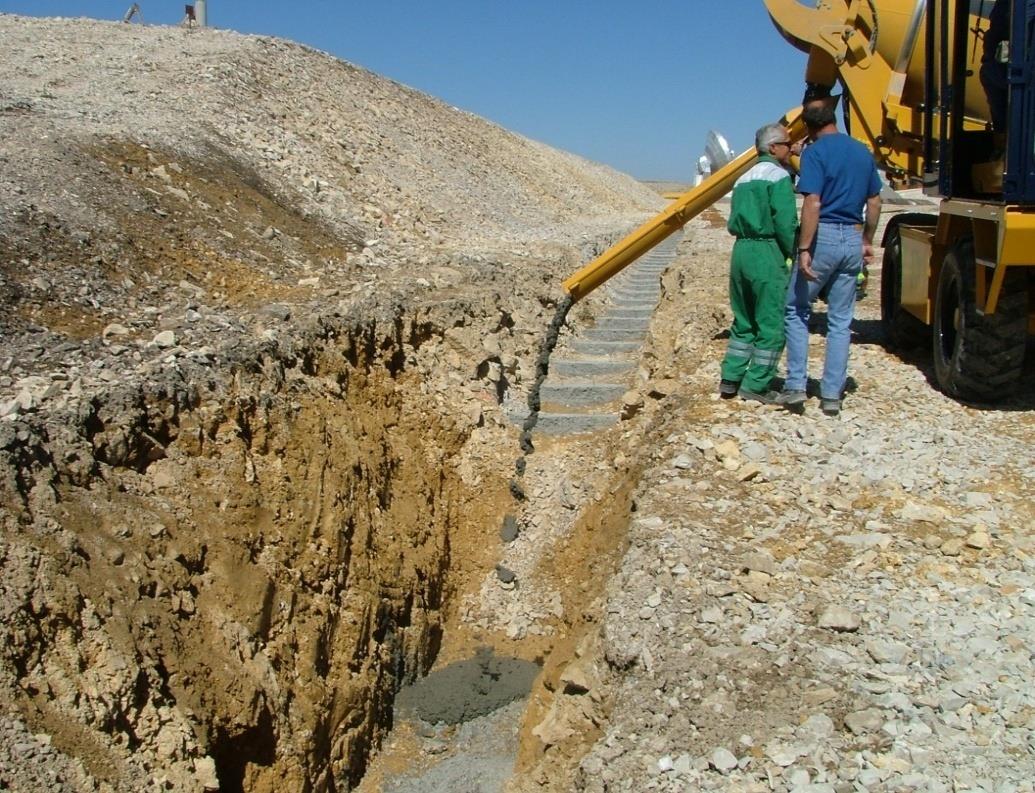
{"type": "Point", "coordinates": [802, 603]}
{"type": "Point", "coordinates": [263, 316]}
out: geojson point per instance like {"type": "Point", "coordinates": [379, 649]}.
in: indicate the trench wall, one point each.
{"type": "Point", "coordinates": [222, 576]}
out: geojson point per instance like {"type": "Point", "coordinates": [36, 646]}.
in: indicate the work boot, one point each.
{"type": "Point", "coordinates": [830, 407]}
{"type": "Point", "coordinates": [792, 399]}
{"type": "Point", "coordinates": [765, 397]}
{"type": "Point", "coordinates": [728, 388]}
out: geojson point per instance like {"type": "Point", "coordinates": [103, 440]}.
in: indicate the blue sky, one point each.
{"type": "Point", "coordinates": [635, 85]}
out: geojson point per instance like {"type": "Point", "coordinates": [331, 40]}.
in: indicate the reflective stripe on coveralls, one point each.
{"type": "Point", "coordinates": [766, 357]}
{"type": "Point", "coordinates": [739, 349]}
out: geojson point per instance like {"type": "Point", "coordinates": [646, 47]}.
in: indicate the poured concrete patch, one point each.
{"type": "Point", "coordinates": [611, 333]}
{"type": "Point", "coordinates": [625, 323]}
{"type": "Point", "coordinates": [630, 312]}
{"type": "Point", "coordinates": [475, 757]}
{"type": "Point", "coordinates": [636, 293]}
{"type": "Point", "coordinates": [594, 347]}
{"type": "Point", "coordinates": [456, 730]}
{"type": "Point", "coordinates": [636, 305]}
{"type": "Point", "coordinates": [582, 387]}
{"type": "Point", "coordinates": [574, 423]}
{"type": "Point", "coordinates": [581, 393]}
{"type": "Point", "coordinates": [468, 689]}
{"type": "Point", "coordinates": [584, 368]}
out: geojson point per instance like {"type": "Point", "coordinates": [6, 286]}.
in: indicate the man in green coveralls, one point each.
{"type": "Point", "coordinates": [763, 218]}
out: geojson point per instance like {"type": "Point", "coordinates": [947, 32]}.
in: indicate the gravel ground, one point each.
{"type": "Point", "coordinates": [808, 603]}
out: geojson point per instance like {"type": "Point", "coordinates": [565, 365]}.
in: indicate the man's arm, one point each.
{"type": "Point", "coordinates": [807, 235]}
{"type": "Point", "coordinates": [873, 204]}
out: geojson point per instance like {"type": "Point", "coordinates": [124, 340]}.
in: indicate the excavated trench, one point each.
{"type": "Point", "coordinates": [221, 579]}
{"type": "Point", "coordinates": [483, 723]}
{"type": "Point", "coordinates": [225, 577]}
{"type": "Point", "coordinates": [245, 497]}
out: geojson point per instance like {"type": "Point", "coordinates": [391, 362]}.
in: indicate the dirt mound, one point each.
{"type": "Point", "coordinates": [143, 166]}
{"type": "Point", "coordinates": [267, 121]}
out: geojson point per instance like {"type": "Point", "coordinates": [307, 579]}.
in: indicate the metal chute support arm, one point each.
{"type": "Point", "coordinates": [680, 212]}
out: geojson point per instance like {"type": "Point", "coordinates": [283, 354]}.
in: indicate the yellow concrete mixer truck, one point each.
{"type": "Point", "coordinates": [943, 94]}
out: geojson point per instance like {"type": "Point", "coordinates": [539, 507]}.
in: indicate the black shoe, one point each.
{"type": "Point", "coordinates": [728, 388]}
{"type": "Point", "coordinates": [765, 397]}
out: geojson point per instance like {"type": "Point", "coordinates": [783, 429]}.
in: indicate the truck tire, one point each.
{"type": "Point", "coordinates": [900, 328]}
{"type": "Point", "coordinates": [977, 357]}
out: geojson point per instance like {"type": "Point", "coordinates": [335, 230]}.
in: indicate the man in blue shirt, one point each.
{"type": "Point", "coordinates": [838, 179]}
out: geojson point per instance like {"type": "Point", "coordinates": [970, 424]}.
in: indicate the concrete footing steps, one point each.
{"type": "Point", "coordinates": [584, 387]}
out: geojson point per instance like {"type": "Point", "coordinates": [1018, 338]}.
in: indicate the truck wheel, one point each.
{"type": "Point", "coordinates": [901, 329]}
{"type": "Point", "coordinates": [977, 357]}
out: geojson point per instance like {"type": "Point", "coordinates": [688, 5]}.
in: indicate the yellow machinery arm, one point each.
{"type": "Point", "coordinates": [681, 211]}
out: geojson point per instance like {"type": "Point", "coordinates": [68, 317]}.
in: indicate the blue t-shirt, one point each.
{"type": "Point", "coordinates": [841, 171]}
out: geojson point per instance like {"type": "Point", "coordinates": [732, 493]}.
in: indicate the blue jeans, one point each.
{"type": "Point", "coordinates": [837, 261]}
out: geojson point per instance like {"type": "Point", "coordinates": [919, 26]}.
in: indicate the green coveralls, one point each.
{"type": "Point", "coordinates": [763, 218]}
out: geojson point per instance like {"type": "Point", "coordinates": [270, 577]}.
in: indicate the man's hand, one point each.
{"type": "Point", "coordinates": [810, 210]}
{"type": "Point", "coordinates": [805, 265]}
{"type": "Point", "coordinates": [868, 252]}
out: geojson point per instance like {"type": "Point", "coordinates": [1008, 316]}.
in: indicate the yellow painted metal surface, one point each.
{"type": "Point", "coordinates": [876, 49]}
{"type": "Point", "coordinates": [1017, 237]}
{"type": "Point", "coordinates": [1003, 236]}
{"type": "Point", "coordinates": [917, 245]}
{"type": "Point", "coordinates": [685, 208]}
{"type": "Point", "coordinates": [1016, 249]}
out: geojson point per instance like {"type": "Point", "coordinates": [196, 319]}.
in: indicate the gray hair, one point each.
{"type": "Point", "coordinates": [768, 135]}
